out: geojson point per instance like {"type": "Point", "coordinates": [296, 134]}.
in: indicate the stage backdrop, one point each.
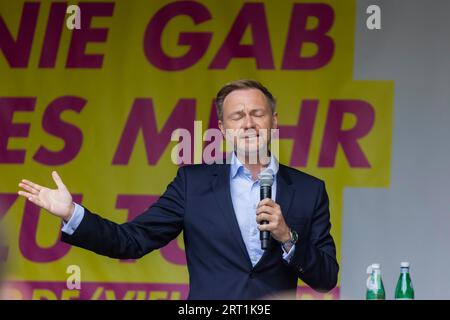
{"type": "Point", "coordinates": [99, 104]}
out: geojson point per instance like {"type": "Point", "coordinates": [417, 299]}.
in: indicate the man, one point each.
{"type": "Point", "coordinates": [218, 208]}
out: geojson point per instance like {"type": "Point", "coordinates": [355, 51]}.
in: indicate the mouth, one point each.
{"type": "Point", "coordinates": [251, 136]}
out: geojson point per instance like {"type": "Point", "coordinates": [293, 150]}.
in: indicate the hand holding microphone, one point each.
{"type": "Point", "coordinates": [269, 215]}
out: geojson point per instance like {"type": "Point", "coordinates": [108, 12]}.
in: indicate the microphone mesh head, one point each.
{"type": "Point", "coordinates": [266, 178]}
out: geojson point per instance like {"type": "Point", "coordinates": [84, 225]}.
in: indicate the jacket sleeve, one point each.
{"type": "Point", "coordinates": [153, 229]}
{"type": "Point", "coordinates": [314, 257]}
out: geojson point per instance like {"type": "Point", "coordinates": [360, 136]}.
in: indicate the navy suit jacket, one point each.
{"type": "Point", "coordinates": [198, 202]}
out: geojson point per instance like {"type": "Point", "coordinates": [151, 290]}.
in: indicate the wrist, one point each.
{"type": "Point", "coordinates": [71, 212]}
{"type": "Point", "coordinates": [287, 236]}
{"type": "Point", "coordinates": [293, 237]}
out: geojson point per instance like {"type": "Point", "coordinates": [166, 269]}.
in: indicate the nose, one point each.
{"type": "Point", "coordinates": [248, 122]}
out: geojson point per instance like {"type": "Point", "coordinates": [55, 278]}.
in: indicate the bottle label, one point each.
{"type": "Point", "coordinates": [371, 284]}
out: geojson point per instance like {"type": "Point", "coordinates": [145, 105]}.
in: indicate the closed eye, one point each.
{"type": "Point", "coordinates": [236, 117]}
{"type": "Point", "coordinates": [258, 113]}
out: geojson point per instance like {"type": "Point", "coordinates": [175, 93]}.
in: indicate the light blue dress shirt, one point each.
{"type": "Point", "coordinates": [245, 198]}
{"type": "Point", "coordinates": [74, 221]}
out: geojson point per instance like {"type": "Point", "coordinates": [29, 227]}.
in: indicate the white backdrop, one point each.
{"type": "Point", "coordinates": [411, 219]}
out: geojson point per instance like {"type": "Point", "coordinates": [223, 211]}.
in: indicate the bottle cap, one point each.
{"type": "Point", "coordinates": [372, 267]}
{"type": "Point", "coordinates": [404, 264]}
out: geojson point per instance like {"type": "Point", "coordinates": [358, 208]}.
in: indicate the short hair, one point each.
{"type": "Point", "coordinates": [241, 85]}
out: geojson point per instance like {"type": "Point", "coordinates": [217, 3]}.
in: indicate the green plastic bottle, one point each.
{"type": "Point", "coordinates": [375, 288]}
{"type": "Point", "coordinates": [404, 289]}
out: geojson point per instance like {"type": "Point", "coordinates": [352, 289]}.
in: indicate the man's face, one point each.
{"type": "Point", "coordinates": [247, 120]}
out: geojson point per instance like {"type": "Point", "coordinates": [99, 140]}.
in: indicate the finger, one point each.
{"type": "Point", "coordinates": [28, 188]}
{"type": "Point", "coordinates": [32, 198]}
{"type": "Point", "coordinates": [265, 209]}
{"type": "Point", "coordinates": [58, 180]}
{"type": "Point", "coordinates": [264, 217]}
{"type": "Point", "coordinates": [263, 202]}
{"type": "Point", "coordinates": [25, 194]}
{"type": "Point", "coordinates": [36, 201]}
{"type": "Point", "coordinates": [32, 184]}
{"type": "Point", "coordinates": [267, 202]}
{"type": "Point", "coordinates": [271, 218]}
{"type": "Point", "coordinates": [266, 227]}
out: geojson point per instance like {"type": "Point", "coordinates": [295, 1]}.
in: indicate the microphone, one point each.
{"type": "Point", "coordinates": [266, 181]}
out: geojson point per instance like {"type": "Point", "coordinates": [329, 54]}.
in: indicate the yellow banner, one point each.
{"type": "Point", "coordinates": [99, 103]}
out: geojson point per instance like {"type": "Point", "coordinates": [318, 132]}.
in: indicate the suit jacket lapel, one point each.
{"type": "Point", "coordinates": [285, 191]}
{"type": "Point", "coordinates": [221, 190]}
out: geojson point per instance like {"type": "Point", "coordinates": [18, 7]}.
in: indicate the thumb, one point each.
{"type": "Point", "coordinates": [58, 180]}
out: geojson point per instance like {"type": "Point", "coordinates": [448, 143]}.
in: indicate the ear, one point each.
{"type": "Point", "coordinates": [274, 120]}
{"type": "Point", "coordinates": [222, 129]}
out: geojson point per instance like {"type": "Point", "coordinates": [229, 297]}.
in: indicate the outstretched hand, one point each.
{"type": "Point", "coordinates": [56, 201]}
